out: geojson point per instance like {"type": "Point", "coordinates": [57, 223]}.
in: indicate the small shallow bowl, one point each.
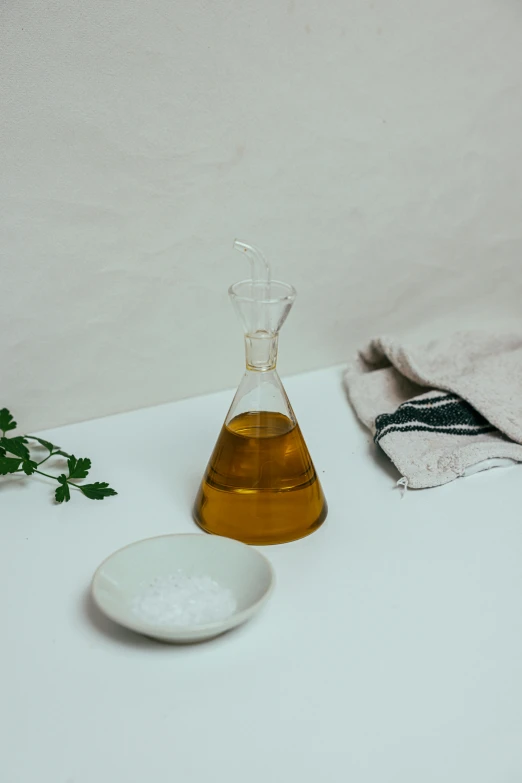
{"type": "Point", "coordinates": [245, 571]}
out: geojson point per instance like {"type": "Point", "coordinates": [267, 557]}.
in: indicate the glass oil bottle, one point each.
{"type": "Point", "coordinates": [260, 485]}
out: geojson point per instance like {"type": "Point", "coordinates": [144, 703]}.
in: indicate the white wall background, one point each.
{"type": "Point", "coordinates": [373, 149]}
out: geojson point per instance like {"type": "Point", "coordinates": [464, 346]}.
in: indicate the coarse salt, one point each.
{"type": "Point", "coordinates": [178, 599]}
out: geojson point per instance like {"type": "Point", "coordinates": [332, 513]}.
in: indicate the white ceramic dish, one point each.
{"type": "Point", "coordinates": [245, 571]}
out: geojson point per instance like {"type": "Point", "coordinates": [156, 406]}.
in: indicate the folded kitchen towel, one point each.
{"type": "Point", "coordinates": [444, 409]}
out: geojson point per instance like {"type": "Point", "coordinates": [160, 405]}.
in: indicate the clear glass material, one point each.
{"type": "Point", "coordinates": [260, 485]}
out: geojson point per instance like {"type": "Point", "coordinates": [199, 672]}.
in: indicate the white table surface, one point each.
{"type": "Point", "coordinates": [391, 649]}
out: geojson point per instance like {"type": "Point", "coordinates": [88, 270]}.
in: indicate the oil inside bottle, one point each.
{"type": "Point", "coordinates": [260, 485]}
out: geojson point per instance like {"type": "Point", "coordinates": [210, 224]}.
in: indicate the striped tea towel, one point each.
{"type": "Point", "coordinates": [445, 409]}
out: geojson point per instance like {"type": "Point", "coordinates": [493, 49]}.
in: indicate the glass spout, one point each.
{"type": "Point", "coordinates": [258, 263]}
{"type": "Point", "coordinates": [262, 305]}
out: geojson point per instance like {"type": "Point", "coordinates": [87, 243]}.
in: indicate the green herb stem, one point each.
{"type": "Point", "coordinates": [47, 475]}
{"type": "Point", "coordinates": [46, 458]}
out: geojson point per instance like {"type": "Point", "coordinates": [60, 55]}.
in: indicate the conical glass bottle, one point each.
{"type": "Point", "coordinates": [260, 485]}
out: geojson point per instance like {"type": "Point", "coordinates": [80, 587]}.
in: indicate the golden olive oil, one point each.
{"type": "Point", "coordinates": [260, 485]}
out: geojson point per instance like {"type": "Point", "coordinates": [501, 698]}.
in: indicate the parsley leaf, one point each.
{"type": "Point", "coordinates": [8, 465]}
{"type": "Point", "coordinates": [19, 446]}
{"type": "Point", "coordinates": [6, 421]}
{"type": "Point", "coordinates": [16, 446]}
{"type": "Point", "coordinates": [78, 468]}
{"type": "Point", "coordinates": [63, 492]}
{"type": "Point", "coordinates": [97, 491]}
{"type": "Point", "coordinates": [29, 466]}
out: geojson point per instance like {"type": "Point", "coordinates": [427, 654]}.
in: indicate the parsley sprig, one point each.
{"type": "Point", "coordinates": [16, 457]}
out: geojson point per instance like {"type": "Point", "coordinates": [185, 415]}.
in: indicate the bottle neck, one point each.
{"type": "Point", "coordinates": [261, 352]}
